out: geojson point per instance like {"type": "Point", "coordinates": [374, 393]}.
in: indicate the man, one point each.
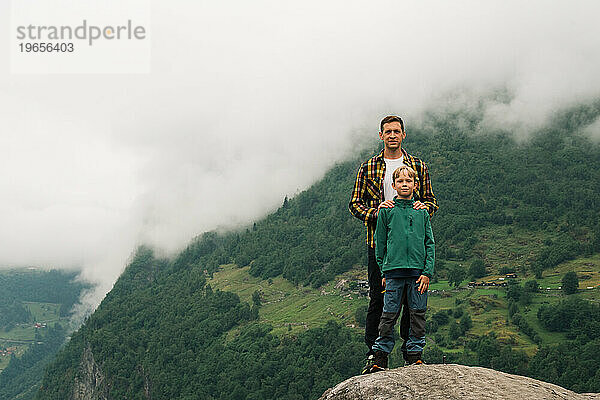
{"type": "Point", "coordinates": [372, 191]}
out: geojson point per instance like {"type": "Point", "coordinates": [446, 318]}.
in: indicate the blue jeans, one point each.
{"type": "Point", "coordinates": [376, 307]}
{"type": "Point", "coordinates": [392, 305]}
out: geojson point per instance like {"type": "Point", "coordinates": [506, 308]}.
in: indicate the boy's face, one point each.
{"type": "Point", "coordinates": [404, 185]}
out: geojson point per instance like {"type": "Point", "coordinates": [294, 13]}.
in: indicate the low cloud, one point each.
{"type": "Point", "coordinates": [250, 102]}
{"type": "Point", "coordinates": [593, 130]}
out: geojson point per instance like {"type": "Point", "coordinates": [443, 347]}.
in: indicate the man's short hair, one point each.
{"type": "Point", "coordinates": [411, 173]}
{"type": "Point", "coordinates": [391, 118]}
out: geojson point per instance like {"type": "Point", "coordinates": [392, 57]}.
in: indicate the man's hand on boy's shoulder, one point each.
{"type": "Point", "coordinates": [385, 204]}
{"type": "Point", "coordinates": [390, 203]}
{"type": "Point", "coordinates": [423, 282]}
{"type": "Point", "coordinates": [419, 206]}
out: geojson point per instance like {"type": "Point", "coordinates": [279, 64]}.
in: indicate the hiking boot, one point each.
{"type": "Point", "coordinates": [414, 358]}
{"type": "Point", "coordinates": [368, 365]}
{"type": "Point", "coordinates": [381, 361]}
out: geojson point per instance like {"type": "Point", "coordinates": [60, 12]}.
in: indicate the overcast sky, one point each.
{"type": "Point", "coordinates": [248, 102]}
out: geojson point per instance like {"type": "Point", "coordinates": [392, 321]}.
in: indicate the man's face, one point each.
{"type": "Point", "coordinates": [392, 135]}
{"type": "Point", "coordinates": [404, 185]}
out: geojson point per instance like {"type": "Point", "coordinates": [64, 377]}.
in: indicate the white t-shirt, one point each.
{"type": "Point", "coordinates": [390, 166]}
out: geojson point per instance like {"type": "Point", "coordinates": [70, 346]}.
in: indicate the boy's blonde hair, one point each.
{"type": "Point", "coordinates": [411, 173]}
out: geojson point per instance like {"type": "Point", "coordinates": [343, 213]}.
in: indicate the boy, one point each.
{"type": "Point", "coordinates": [405, 252]}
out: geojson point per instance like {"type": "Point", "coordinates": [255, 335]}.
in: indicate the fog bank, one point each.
{"type": "Point", "coordinates": [249, 102]}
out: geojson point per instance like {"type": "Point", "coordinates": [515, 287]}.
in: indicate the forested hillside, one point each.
{"type": "Point", "coordinates": [34, 313]}
{"type": "Point", "coordinates": [164, 333]}
{"type": "Point", "coordinates": [35, 286]}
{"type": "Point", "coordinates": [547, 186]}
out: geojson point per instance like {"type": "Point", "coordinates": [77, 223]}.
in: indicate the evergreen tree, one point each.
{"type": "Point", "coordinates": [361, 315]}
{"type": "Point", "coordinates": [531, 286]}
{"type": "Point", "coordinates": [570, 283]}
{"type": "Point", "coordinates": [456, 275]}
{"type": "Point", "coordinates": [513, 291]}
{"type": "Point", "coordinates": [256, 298]}
{"type": "Point", "coordinates": [455, 331]}
{"type": "Point", "coordinates": [477, 268]}
{"type": "Point", "coordinates": [525, 298]}
{"type": "Point", "coordinates": [466, 323]}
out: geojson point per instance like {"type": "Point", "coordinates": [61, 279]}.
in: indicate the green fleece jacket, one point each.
{"type": "Point", "coordinates": [404, 239]}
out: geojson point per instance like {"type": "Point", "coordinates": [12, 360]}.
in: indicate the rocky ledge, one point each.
{"type": "Point", "coordinates": [448, 381]}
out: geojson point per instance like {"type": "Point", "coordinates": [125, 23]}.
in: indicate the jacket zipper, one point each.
{"type": "Point", "coordinates": [406, 240]}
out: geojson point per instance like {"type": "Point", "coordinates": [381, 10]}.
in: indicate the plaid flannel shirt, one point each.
{"type": "Point", "coordinates": [368, 190]}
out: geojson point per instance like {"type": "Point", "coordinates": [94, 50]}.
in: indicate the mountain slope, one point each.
{"type": "Point", "coordinates": [163, 333]}
{"type": "Point", "coordinates": [34, 308]}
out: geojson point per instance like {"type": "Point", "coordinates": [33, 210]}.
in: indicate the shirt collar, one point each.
{"type": "Point", "coordinates": [379, 156]}
{"type": "Point", "coordinates": [403, 201]}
